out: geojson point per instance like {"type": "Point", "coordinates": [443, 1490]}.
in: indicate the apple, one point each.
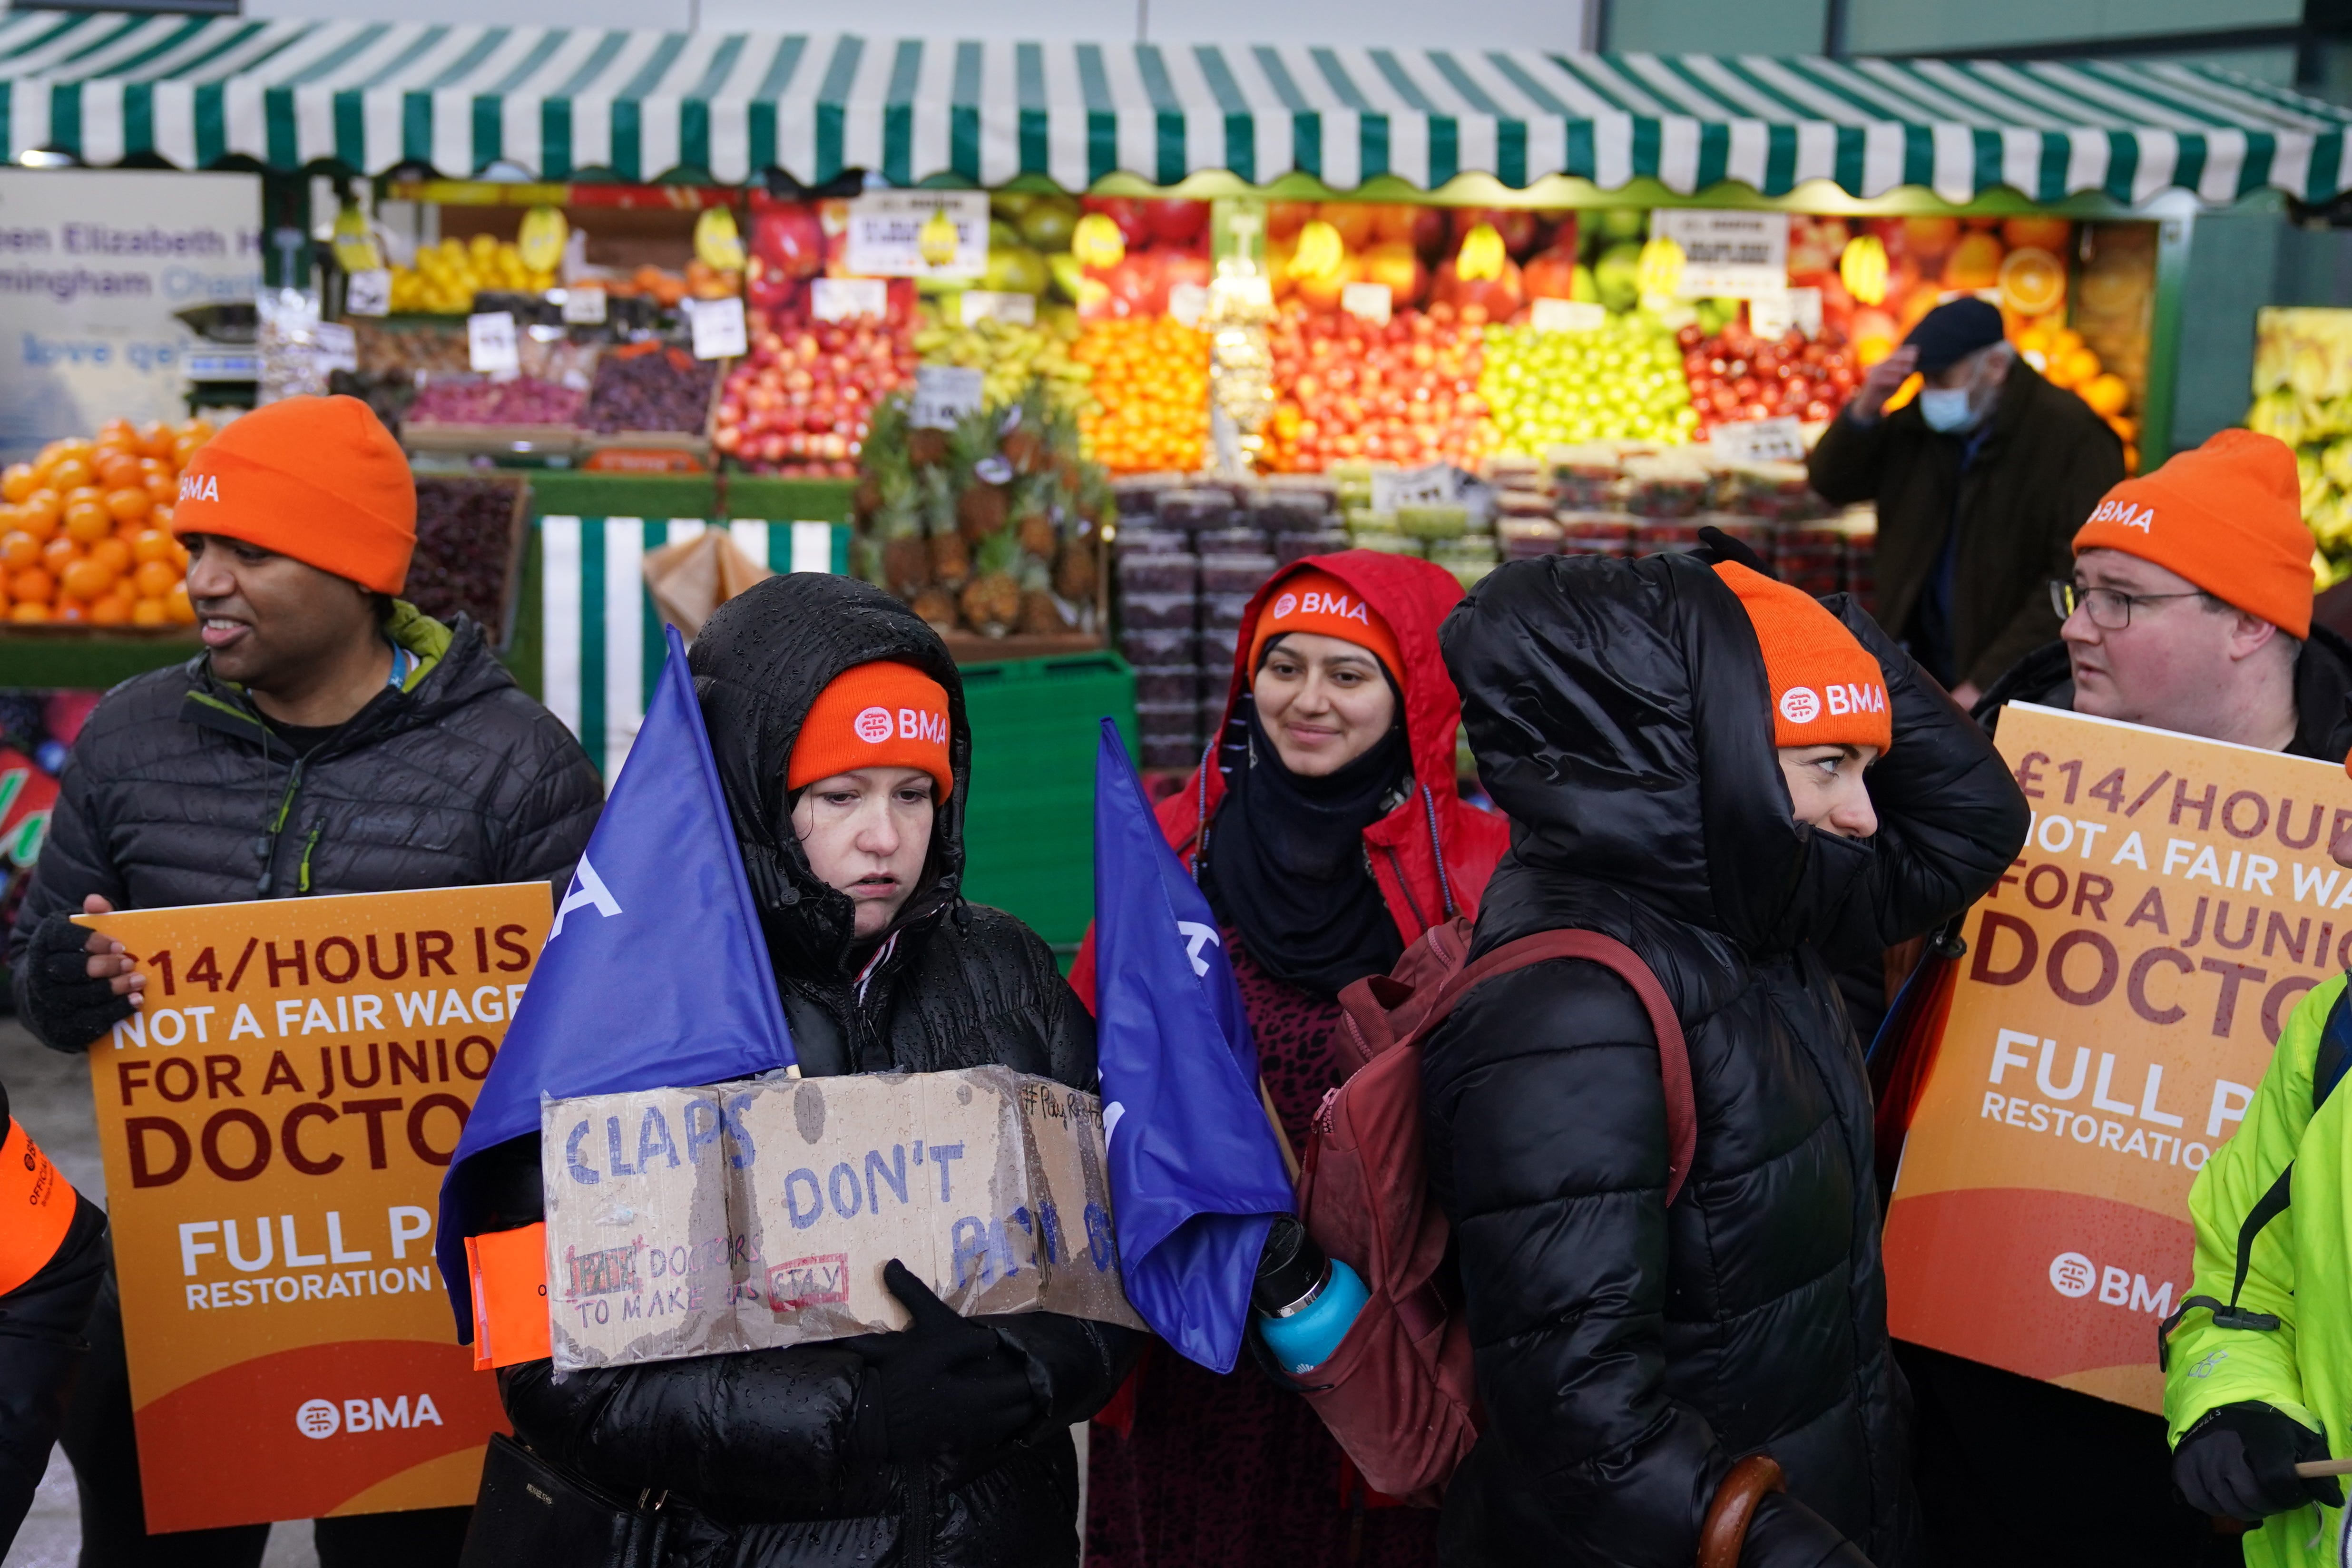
{"type": "Point", "coordinates": [1352, 219]}
{"type": "Point", "coordinates": [1551, 274]}
{"type": "Point", "coordinates": [1176, 223]}
{"type": "Point", "coordinates": [1395, 263]}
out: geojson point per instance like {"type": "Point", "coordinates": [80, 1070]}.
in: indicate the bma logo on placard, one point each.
{"type": "Point", "coordinates": [322, 1418]}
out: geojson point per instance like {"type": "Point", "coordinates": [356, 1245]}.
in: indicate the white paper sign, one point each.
{"type": "Point", "coordinates": [584, 305]}
{"type": "Point", "coordinates": [1440, 484]}
{"type": "Point", "coordinates": [1567, 316]}
{"type": "Point", "coordinates": [334, 347]}
{"type": "Point", "coordinates": [944, 394]}
{"type": "Point", "coordinates": [1780, 440]}
{"type": "Point", "coordinates": [1726, 255]}
{"type": "Point", "coordinates": [1367, 302]}
{"type": "Point", "coordinates": [490, 344]}
{"type": "Point", "coordinates": [368, 292]}
{"type": "Point", "coordinates": [846, 298]}
{"type": "Point", "coordinates": [992, 305]}
{"type": "Point", "coordinates": [94, 270]}
{"type": "Point", "coordinates": [1772, 315]}
{"type": "Point", "coordinates": [887, 236]}
{"type": "Point", "coordinates": [719, 331]}
{"type": "Point", "coordinates": [1187, 302]}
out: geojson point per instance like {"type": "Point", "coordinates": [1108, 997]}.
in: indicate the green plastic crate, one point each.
{"type": "Point", "coordinates": [1029, 826]}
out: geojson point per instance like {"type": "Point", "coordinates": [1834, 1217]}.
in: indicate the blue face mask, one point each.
{"type": "Point", "coordinates": [1946, 409]}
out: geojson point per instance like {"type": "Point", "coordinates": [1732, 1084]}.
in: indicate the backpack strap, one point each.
{"type": "Point", "coordinates": [1674, 1052]}
{"type": "Point", "coordinates": [2328, 1070]}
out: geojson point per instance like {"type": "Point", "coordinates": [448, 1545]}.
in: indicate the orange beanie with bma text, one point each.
{"type": "Point", "coordinates": [878, 715]}
{"type": "Point", "coordinates": [1827, 689]}
{"type": "Point", "coordinates": [2227, 516]}
{"type": "Point", "coordinates": [318, 479]}
{"type": "Point", "coordinates": [1313, 601]}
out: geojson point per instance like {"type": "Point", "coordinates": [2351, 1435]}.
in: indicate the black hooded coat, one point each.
{"type": "Point", "coordinates": [761, 1444]}
{"type": "Point", "coordinates": [1629, 1353]}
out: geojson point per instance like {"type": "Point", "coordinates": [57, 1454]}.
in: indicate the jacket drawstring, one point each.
{"type": "Point", "coordinates": [302, 883]}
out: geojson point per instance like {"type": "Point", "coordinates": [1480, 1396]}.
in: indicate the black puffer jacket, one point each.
{"type": "Point", "coordinates": [178, 794]}
{"type": "Point", "coordinates": [2323, 692]}
{"type": "Point", "coordinates": [760, 1443]}
{"type": "Point", "coordinates": [1628, 1352]}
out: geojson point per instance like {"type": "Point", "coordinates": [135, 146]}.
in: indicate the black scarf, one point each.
{"type": "Point", "coordinates": [1285, 863]}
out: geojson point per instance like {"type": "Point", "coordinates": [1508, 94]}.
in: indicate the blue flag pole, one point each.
{"type": "Point", "coordinates": [654, 973]}
{"type": "Point", "coordinates": [1196, 1176]}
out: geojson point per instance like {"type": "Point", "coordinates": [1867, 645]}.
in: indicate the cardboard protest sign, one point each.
{"type": "Point", "coordinates": [2123, 984]}
{"type": "Point", "coordinates": [274, 1122]}
{"type": "Point", "coordinates": [687, 1222]}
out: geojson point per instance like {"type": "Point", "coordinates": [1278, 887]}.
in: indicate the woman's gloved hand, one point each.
{"type": "Point", "coordinates": [66, 1004]}
{"type": "Point", "coordinates": [2238, 1461]}
{"type": "Point", "coordinates": [945, 1384]}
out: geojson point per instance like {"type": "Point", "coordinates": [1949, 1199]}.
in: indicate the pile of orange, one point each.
{"type": "Point", "coordinates": [2063, 359]}
{"type": "Point", "coordinates": [86, 528]}
{"type": "Point", "coordinates": [1150, 391]}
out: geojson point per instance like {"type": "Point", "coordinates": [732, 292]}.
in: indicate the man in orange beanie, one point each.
{"type": "Point", "coordinates": [330, 739]}
{"type": "Point", "coordinates": [2190, 609]}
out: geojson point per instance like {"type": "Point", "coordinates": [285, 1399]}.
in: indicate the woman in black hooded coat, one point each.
{"type": "Point", "coordinates": [806, 1455]}
{"type": "Point", "coordinates": [1629, 1353]}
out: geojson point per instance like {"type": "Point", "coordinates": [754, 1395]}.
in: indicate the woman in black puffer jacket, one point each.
{"type": "Point", "coordinates": [820, 1454]}
{"type": "Point", "coordinates": [1629, 1353]}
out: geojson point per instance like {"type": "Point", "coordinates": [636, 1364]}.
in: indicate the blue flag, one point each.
{"type": "Point", "coordinates": [1195, 1176]}
{"type": "Point", "coordinates": [654, 973]}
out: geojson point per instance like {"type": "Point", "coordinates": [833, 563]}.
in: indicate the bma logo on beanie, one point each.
{"type": "Point", "coordinates": [199, 487]}
{"type": "Point", "coordinates": [2123, 514]}
{"type": "Point", "coordinates": [1315, 603]}
{"type": "Point", "coordinates": [1827, 689]}
{"type": "Point", "coordinates": [874, 726]}
{"type": "Point", "coordinates": [1801, 705]}
{"type": "Point", "coordinates": [878, 715]}
{"type": "Point", "coordinates": [1323, 603]}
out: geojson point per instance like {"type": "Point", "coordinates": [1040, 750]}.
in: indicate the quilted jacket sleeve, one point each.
{"type": "Point", "coordinates": [555, 809]}
{"type": "Point", "coordinates": [1546, 1083]}
{"type": "Point", "coordinates": [74, 863]}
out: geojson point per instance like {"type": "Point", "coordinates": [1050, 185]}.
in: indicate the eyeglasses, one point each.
{"type": "Point", "coordinates": [2110, 608]}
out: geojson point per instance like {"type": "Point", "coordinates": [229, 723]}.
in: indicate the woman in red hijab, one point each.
{"type": "Point", "coordinates": [1326, 830]}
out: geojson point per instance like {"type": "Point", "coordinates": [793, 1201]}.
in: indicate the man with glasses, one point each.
{"type": "Point", "coordinates": [2188, 609]}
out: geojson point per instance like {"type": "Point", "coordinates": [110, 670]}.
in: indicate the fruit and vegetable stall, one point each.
{"type": "Point", "coordinates": [1069, 345]}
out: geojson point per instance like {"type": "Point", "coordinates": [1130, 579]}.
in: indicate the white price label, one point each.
{"type": "Point", "coordinates": [584, 305]}
{"type": "Point", "coordinates": [1726, 255]}
{"type": "Point", "coordinates": [1770, 316]}
{"type": "Point", "coordinates": [490, 344]}
{"type": "Point", "coordinates": [846, 298]}
{"type": "Point", "coordinates": [991, 305]}
{"type": "Point", "coordinates": [1187, 302]}
{"type": "Point", "coordinates": [1780, 440]}
{"type": "Point", "coordinates": [1567, 316]}
{"type": "Point", "coordinates": [919, 234]}
{"type": "Point", "coordinates": [1440, 484]}
{"type": "Point", "coordinates": [368, 293]}
{"type": "Point", "coordinates": [1367, 302]}
{"type": "Point", "coordinates": [719, 331]}
{"type": "Point", "coordinates": [334, 347]}
{"type": "Point", "coordinates": [944, 394]}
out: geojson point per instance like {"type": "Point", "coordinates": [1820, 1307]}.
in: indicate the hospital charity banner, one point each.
{"type": "Point", "coordinates": [2124, 983]}
{"type": "Point", "coordinates": [274, 1123]}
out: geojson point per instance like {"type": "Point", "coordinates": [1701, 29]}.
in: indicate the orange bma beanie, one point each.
{"type": "Point", "coordinates": [1827, 689]}
{"type": "Point", "coordinates": [315, 478]}
{"type": "Point", "coordinates": [1313, 601]}
{"type": "Point", "coordinates": [2228, 517]}
{"type": "Point", "coordinates": [879, 715]}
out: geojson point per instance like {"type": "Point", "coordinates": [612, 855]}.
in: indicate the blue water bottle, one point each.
{"type": "Point", "coordinates": [1306, 1301]}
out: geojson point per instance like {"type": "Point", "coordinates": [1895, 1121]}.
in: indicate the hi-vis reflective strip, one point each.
{"type": "Point", "coordinates": [509, 1272]}
{"type": "Point", "coordinates": [36, 1206]}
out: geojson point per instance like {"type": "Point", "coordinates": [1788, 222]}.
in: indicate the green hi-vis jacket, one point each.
{"type": "Point", "coordinates": [2300, 1273]}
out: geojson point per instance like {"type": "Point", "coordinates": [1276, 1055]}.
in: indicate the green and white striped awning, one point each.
{"type": "Point", "coordinates": [560, 101]}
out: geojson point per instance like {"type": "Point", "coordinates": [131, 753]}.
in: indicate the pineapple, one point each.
{"type": "Point", "coordinates": [927, 449]}
{"type": "Point", "coordinates": [1040, 615]}
{"type": "Point", "coordinates": [980, 511]}
{"type": "Point", "coordinates": [980, 501]}
{"type": "Point", "coordinates": [950, 561]}
{"type": "Point", "coordinates": [937, 608]}
{"type": "Point", "coordinates": [1025, 449]}
{"type": "Point", "coordinates": [1037, 536]}
{"type": "Point", "coordinates": [1074, 572]}
{"type": "Point", "coordinates": [992, 600]}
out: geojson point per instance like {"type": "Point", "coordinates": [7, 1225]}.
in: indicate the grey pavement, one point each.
{"type": "Point", "coordinates": [49, 1093]}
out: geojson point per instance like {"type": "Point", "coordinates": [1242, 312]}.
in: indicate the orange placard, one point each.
{"type": "Point", "coordinates": [2123, 984]}
{"type": "Point", "coordinates": [276, 1122]}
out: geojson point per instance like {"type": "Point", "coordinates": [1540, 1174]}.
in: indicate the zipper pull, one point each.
{"type": "Point", "coordinates": [1322, 1120]}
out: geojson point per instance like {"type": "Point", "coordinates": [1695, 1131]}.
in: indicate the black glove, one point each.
{"type": "Point", "coordinates": [2238, 1460]}
{"type": "Point", "coordinates": [65, 1006]}
{"type": "Point", "coordinates": [946, 1384]}
{"type": "Point", "coordinates": [1716, 547]}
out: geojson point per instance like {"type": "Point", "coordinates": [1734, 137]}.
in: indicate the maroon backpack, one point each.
{"type": "Point", "coordinates": [1399, 1393]}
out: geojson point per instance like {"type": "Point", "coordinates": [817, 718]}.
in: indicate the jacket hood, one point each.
{"type": "Point", "coordinates": [1413, 597]}
{"type": "Point", "coordinates": [1621, 716]}
{"type": "Point", "coordinates": [759, 664]}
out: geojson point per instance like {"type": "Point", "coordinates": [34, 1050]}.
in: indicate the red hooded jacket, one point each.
{"type": "Point", "coordinates": [1432, 855]}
